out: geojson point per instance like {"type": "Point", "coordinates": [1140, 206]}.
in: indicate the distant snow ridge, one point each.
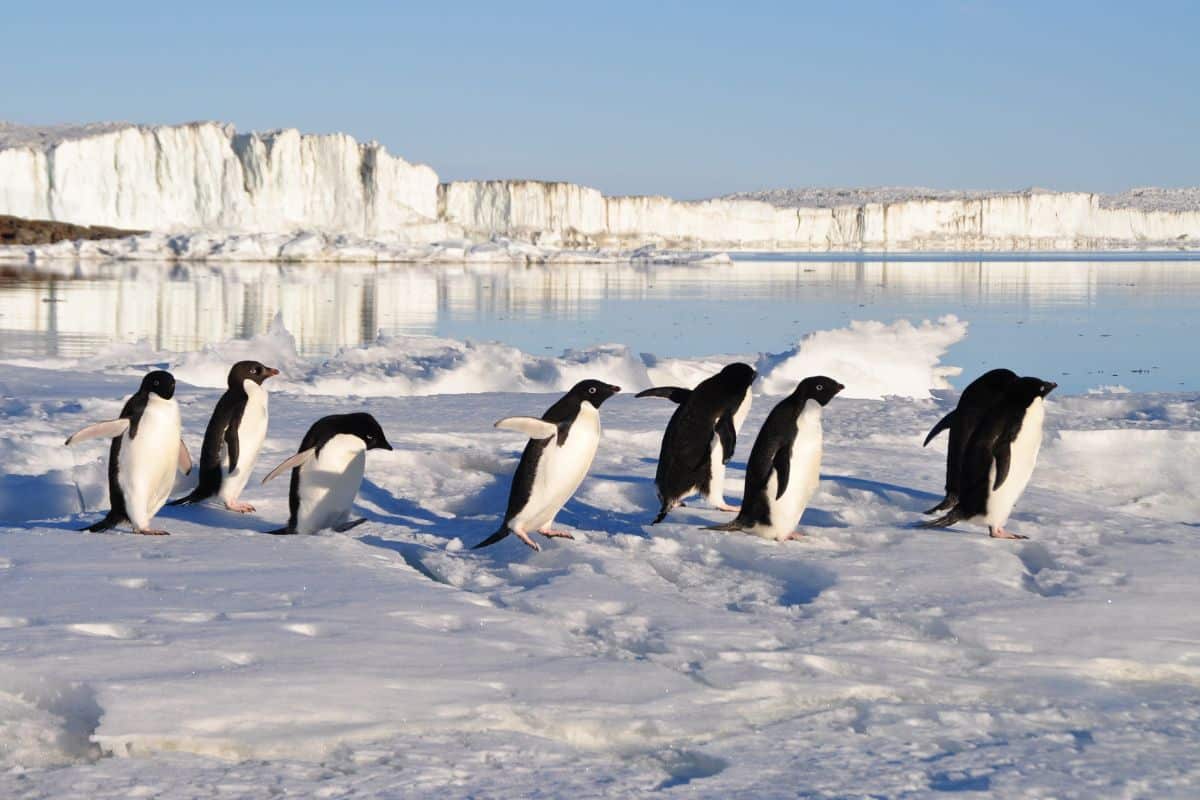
{"type": "Point", "coordinates": [873, 359]}
{"type": "Point", "coordinates": [209, 193]}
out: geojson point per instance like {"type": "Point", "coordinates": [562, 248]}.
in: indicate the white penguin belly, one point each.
{"type": "Point", "coordinates": [251, 433]}
{"type": "Point", "coordinates": [716, 457]}
{"type": "Point", "coordinates": [147, 462]}
{"type": "Point", "coordinates": [1022, 460]}
{"type": "Point", "coordinates": [560, 471]}
{"type": "Point", "coordinates": [803, 478]}
{"type": "Point", "coordinates": [329, 483]}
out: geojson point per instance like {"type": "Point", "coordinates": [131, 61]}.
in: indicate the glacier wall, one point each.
{"type": "Point", "coordinates": [207, 177]}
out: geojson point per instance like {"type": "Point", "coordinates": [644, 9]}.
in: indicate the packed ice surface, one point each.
{"type": "Point", "coordinates": [205, 191]}
{"type": "Point", "coordinates": [870, 659]}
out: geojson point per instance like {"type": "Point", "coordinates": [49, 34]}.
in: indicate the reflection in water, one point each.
{"type": "Point", "coordinates": [1090, 322]}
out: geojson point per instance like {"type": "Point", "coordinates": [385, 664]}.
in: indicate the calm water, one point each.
{"type": "Point", "coordinates": [1079, 321]}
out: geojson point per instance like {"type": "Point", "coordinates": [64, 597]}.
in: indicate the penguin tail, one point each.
{"type": "Point", "coordinates": [495, 537]}
{"type": "Point", "coordinates": [942, 522]}
{"type": "Point", "coordinates": [110, 521]}
{"type": "Point", "coordinates": [186, 500]}
{"type": "Point", "coordinates": [733, 525]}
{"type": "Point", "coordinates": [284, 531]}
{"type": "Point", "coordinates": [949, 502]}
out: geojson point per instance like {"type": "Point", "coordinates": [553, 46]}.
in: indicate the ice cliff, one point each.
{"type": "Point", "coordinates": [207, 191]}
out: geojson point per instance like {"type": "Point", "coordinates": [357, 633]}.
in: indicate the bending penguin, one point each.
{"type": "Point", "coordinates": [701, 436]}
{"type": "Point", "coordinates": [146, 451]}
{"type": "Point", "coordinates": [1000, 459]}
{"type": "Point", "coordinates": [976, 400]}
{"type": "Point", "coordinates": [328, 471]}
{"type": "Point", "coordinates": [561, 447]}
{"type": "Point", "coordinates": [233, 437]}
{"type": "Point", "coordinates": [785, 463]}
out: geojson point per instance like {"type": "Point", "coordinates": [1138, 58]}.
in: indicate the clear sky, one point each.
{"type": "Point", "coordinates": [684, 98]}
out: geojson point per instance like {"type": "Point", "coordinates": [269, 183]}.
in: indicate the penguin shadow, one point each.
{"type": "Point", "coordinates": [389, 509]}
{"type": "Point", "coordinates": [214, 515]}
{"type": "Point", "coordinates": [914, 500]}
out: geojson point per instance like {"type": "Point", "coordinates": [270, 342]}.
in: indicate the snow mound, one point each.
{"type": "Point", "coordinates": [873, 359]}
{"type": "Point", "coordinates": [45, 723]}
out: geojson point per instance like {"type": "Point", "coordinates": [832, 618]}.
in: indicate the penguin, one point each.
{"type": "Point", "coordinates": [701, 436]}
{"type": "Point", "coordinates": [146, 451]}
{"type": "Point", "coordinates": [328, 471]}
{"type": "Point", "coordinates": [233, 437]}
{"type": "Point", "coordinates": [983, 393]}
{"type": "Point", "coordinates": [785, 463]}
{"type": "Point", "coordinates": [561, 447]}
{"type": "Point", "coordinates": [1000, 458]}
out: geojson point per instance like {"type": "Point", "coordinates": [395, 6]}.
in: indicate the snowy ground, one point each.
{"type": "Point", "coordinates": [871, 659]}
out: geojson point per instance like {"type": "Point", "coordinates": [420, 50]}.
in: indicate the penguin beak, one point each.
{"type": "Point", "coordinates": [614, 389]}
{"type": "Point", "coordinates": [839, 388]}
{"type": "Point", "coordinates": [271, 373]}
{"type": "Point", "coordinates": [1050, 387]}
{"type": "Point", "coordinates": [384, 445]}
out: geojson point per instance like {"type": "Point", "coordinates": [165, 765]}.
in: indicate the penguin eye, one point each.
{"type": "Point", "coordinates": [592, 390]}
{"type": "Point", "coordinates": [820, 387]}
{"type": "Point", "coordinates": [254, 371]}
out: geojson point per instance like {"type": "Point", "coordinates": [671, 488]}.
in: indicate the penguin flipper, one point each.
{"type": "Point", "coordinates": [185, 459]}
{"type": "Point", "coordinates": [495, 537]}
{"type": "Point", "coordinates": [303, 457]}
{"type": "Point", "coordinates": [942, 425]}
{"type": "Point", "coordinates": [728, 436]}
{"type": "Point", "coordinates": [673, 393]}
{"type": "Point", "coordinates": [532, 427]}
{"type": "Point", "coordinates": [109, 429]}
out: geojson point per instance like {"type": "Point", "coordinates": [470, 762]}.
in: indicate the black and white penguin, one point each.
{"type": "Point", "coordinates": [146, 451]}
{"type": "Point", "coordinates": [701, 436]}
{"type": "Point", "coordinates": [785, 463]}
{"type": "Point", "coordinates": [233, 437]}
{"type": "Point", "coordinates": [1000, 458]}
{"type": "Point", "coordinates": [561, 447]}
{"type": "Point", "coordinates": [984, 392]}
{"type": "Point", "coordinates": [328, 471]}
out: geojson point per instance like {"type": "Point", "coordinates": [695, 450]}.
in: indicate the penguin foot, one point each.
{"type": "Point", "coordinates": [524, 537]}
{"type": "Point", "coordinates": [550, 533]}
{"type": "Point", "coordinates": [1000, 533]}
{"type": "Point", "coordinates": [794, 536]}
{"type": "Point", "coordinates": [239, 507]}
{"type": "Point", "coordinates": [726, 507]}
{"type": "Point", "coordinates": [152, 532]}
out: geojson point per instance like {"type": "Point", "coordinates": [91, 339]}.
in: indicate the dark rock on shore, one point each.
{"type": "Point", "coordinates": [17, 230]}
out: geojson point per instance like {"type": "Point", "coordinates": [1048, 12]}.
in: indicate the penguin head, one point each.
{"type": "Point", "coordinates": [365, 427]}
{"type": "Point", "coordinates": [594, 392]}
{"type": "Point", "coordinates": [249, 371]}
{"type": "Point", "coordinates": [738, 375]}
{"type": "Point", "coordinates": [819, 388]}
{"type": "Point", "coordinates": [1028, 389]}
{"type": "Point", "coordinates": [159, 382]}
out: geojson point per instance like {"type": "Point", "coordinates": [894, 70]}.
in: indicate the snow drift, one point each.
{"type": "Point", "coordinates": [874, 360]}
{"type": "Point", "coordinates": [356, 201]}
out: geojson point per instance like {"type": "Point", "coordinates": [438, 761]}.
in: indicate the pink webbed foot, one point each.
{"type": "Point", "coordinates": [524, 537]}
{"type": "Point", "coordinates": [239, 507]}
{"type": "Point", "coordinates": [550, 533]}
{"type": "Point", "coordinates": [1000, 533]}
{"type": "Point", "coordinates": [726, 507]}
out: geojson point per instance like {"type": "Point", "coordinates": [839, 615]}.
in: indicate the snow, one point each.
{"type": "Point", "coordinates": [871, 659]}
{"type": "Point", "coordinates": [206, 191]}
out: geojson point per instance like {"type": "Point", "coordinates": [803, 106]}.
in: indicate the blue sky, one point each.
{"type": "Point", "coordinates": [688, 99]}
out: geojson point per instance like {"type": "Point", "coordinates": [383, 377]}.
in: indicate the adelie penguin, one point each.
{"type": "Point", "coordinates": [558, 455]}
{"type": "Point", "coordinates": [233, 437]}
{"type": "Point", "coordinates": [146, 451]}
{"type": "Point", "coordinates": [784, 469]}
{"type": "Point", "coordinates": [976, 400]}
{"type": "Point", "coordinates": [701, 436]}
{"type": "Point", "coordinates": [1000, 458]}
{"type": "Point", "coordinates": [328, 471]}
